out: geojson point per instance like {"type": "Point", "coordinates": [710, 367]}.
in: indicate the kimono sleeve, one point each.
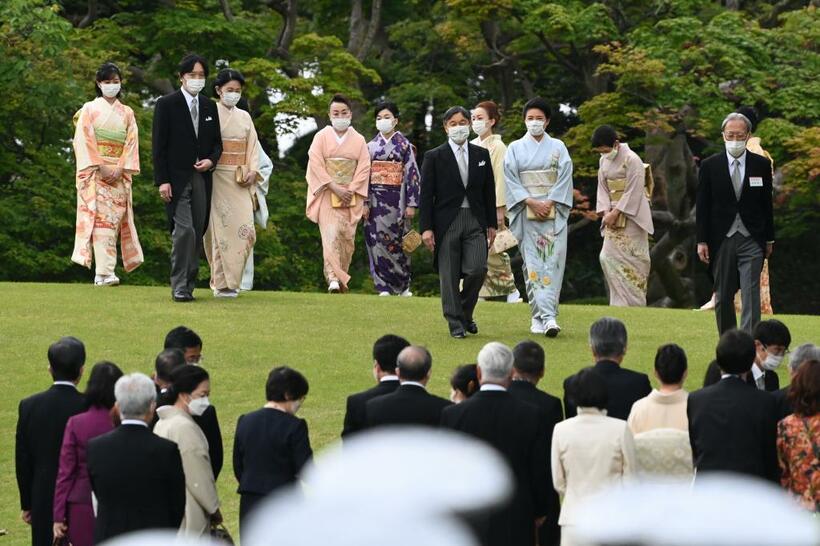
{"type": "Point", "coordinates": [412, 180]}
{"type": "Point", "coordinates": [85, 141]}
{"type": "Point", "coordinates": [317, 176]}
{"type": "Point", "coordinates": [514, 192]}
{"type": "Point", "coordinates": [634, 194]}
{"type": "Point", "coordinates": [602, 200]}
{"type": "Point", "coordinates": [562, 192]}
{"type": "Point", "coordinates": [130, 158]}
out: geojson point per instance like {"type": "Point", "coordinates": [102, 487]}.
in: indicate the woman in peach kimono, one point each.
{"type": "Point", "coordinates": [106, 147]}
{"type": "Point", "coordinates": [626, 219]}
{"type": "Point", "coordinates": [337, 176]}
{"type": "Point", "coordinates": [231, 234]}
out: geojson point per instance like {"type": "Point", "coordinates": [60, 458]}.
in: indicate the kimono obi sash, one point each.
{"type": "Point", "coordinates": [616, 191]}
{"type": "Point", "coordinates": [539, 184]}
{"type": "Point", "coordinates": [110, 143]}
{"type": "Point", "coordinates": [386, 173]}
{"type": "Point", "coordinates": [233, 151]}
{"type": "Point", "coordinates": [341, 171]}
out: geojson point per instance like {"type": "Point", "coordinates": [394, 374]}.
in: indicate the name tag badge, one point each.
{"type": "Point", "coordinates": [756, 181]}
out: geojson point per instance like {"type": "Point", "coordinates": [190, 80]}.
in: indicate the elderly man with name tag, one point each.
{"type": "Point", "coordinates": [735, 226]}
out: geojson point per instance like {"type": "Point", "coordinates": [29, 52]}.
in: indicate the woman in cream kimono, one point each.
{"type": "Point", "coordinates": [337, 176]}
{"type": "Point", "coordinates": [230, 236]}
{"type": "Point", "coordinates": [499, 280]}
{"type": "Point", "coordinates": [538, 176]}
{"type": "Point", "coordinates": [626, 219]}
{"type": "Point", "coordinates": [106, 146]}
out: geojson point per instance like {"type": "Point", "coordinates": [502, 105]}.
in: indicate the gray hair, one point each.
{"type": "Point", "coordinates": [495, 361]}
{"type": "Point", "coordinates": [802, 353]}
{"type": "Point", "coordinates": [733, 116]}
{"type": "Point", "coordinates": [134, 393]}
{"type": "Point", "coordinates": [607, 337]}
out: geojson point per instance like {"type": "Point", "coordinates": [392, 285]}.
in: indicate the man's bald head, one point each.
{"type": "Point", "coordinates": [414, 363]}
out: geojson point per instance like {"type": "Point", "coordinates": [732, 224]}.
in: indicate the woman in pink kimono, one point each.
{"type": "Point", "coordinates": [106, 147]}
{"type": "Point", "coordinates": [626, 221]}
{"type": "Point", "coordinates": [337, 176]}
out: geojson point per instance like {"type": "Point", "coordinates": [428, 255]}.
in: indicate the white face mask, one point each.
{"type": "Point", "coordinates": [772, 362]}
{"type": "Point", "coordinates": [340, 124]}
{"type": "Point", "coordinates": [385, 126]}
{"type": "Point", "coordinates": [296, 405]}
{"type": "Point", "coordinates": [735, 147]}
{"type": "Point", "coordinates": [535, 127]}
{"type": "Point", "coordinates": [197, 406]}
{"type": "Point", "coordinates": [110, 90]}
{"type": "Point", "coordinates": [458, 134]}
{"type": "Point", "coordinates": [480, 126]}
{"type": "Point", "coordinates": [194, 86]}
{"type": "Point", "coordinates": [610, 155]}
{"type": "Point", "coordinates": [230, 98]}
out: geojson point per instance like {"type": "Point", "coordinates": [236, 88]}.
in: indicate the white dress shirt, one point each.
{"type": "Point", "coordinates": [465, 204]}
{"type": "Point", "coordinates": [414, 383]}
{"type": "Point", "coordinates": [189, 98]}
{"type": "Point", "coordinates": [389, 378]}
{"type": "Point", "coordinates": [66, 383]}
{"type": "Point", "coordinates": [493, 387]}
{"type": "Point", "coordinates": [139, 422]}
{"type": "Point", "coordinates": [741, 164]}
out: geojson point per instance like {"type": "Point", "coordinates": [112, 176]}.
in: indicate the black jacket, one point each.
{"type": "Point", "coordinates": [355, 414]}
{"type": "Point", "coordinates": [40, 425]}
{"type": "Point", "coordinates": [732, 428]}
{"type": "Point", "coordinates": [269, 450]}
{"type": "Point", "coordinates": [127, 467]}
{"type": "Point", "coordinates": [517, 431]}
{"type": "Point", "coordinates": [625, 388]}
{"type": "Point", "coordinates": [407, 405]}
{"type": "Point", "coordinates": [770, 380]}
{"type": "Point", "coordinates": [176, 147]}
{"type": "Point", "coordinates": [784, 405]}
{"type": "Point", "coordinates": [442, 191]}
{"type": "Point", "coordinates": [717, 205]}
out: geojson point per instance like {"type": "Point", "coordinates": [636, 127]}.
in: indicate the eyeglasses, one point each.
{"type": "Point", "coordinates": [735, 136]}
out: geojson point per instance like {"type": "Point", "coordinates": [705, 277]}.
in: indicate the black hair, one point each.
{"type": "Point", "coordinates": [341, 99]}
{"type": "Point", "coordinates": [605, 135]}
{"type": "Point", "coordinates": [386, 351]}
{"type": "Point", "coordinates": [712, 374]}
{"type": "Point", "coordinates": [538, 104]}
{"type": "Point", "coordinates": [187, 63]}
{"type": "Point", "coordinates": [670, 363]}
{"type": "Point", "coordinates": [415, 364]}
{"type": "Point", "coordinates": [99, 391]}
{"type": "Point", "coordinates": [185, 379]}
{"type": "Point", "coordinates": [453, 110]}
{"type": "Point", "coordinates": [182, 337]}
{"type": "Point", "coordinates": [735, 352]}
{"type": "Point", "coordinates": [465, 379]}
{"type": "Point", "coordinates": [772, 332]}
{"type": "Point", "coordinates": [751, 114]}
{"type": "Point", "coordinates": [226, 75]}
{"type": "Point", "coordinates": [589, 389]}
{"type": "Point", "coordinates": [386, 105]}
{"type": "Point", "coordinates": [285, 384]}
{"type": "Point", "coordinates": [529, 358]}
{"type": "Point", "coordinates": [167, 361]}
{"type": "Point", "coordinates": [105, 72]}
{"type": "Point", "coordinates": [66, 356]}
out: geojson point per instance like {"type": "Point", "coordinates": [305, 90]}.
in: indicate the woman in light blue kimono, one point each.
{"type": "Point", "coordinates": [538, 175]}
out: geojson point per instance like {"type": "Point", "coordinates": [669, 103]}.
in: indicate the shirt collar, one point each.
{"type": "Point", "coordinates": [189, 98]}
{"type": "Point", "coordinates": [493, 387]}
{"type": "Point", "coordinates": [389, 378]}
{"type": "Point", "coordinates": [741, 160]}
{"type": "Point", "coordinates": [413, 383]}
{"type": "Point", "coordinates": [591, 411]}
{"type": "Point", "coordinates": [757, 373]}
{"type": "Point", "coordinates": [66, 383]}
{"type": "Point", "coordinates": [134, 422]}
{"type": "Point", "coordinates": [455, 147]}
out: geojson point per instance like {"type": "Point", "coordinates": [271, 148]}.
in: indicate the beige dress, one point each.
{"type": "Point", "coordinates": [201, 499]}
{"type": "Point", "coordinates": [231, 234]}
{"type": "Point", "coordinates": [659, 410]}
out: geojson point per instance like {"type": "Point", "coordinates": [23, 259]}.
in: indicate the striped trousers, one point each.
{"type": "Point", "coordinates": [462, 254]}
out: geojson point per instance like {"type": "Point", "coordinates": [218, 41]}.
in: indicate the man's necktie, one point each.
{"type": "Point", "coordinates": [462, 165]}
{"type": "Point", "coordinates": [195, 116]}
{"type": "Point", "coordinates": [737, 182]}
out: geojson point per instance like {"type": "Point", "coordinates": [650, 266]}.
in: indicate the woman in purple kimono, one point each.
{"type": "Point", "coordinates": [392, 201]}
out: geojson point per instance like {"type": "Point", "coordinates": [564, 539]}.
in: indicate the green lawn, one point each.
{"type": "Point", "coordinates": [328, 338]}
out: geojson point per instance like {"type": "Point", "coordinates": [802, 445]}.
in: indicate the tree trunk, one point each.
{"type": "Point", "coordinates": [90, 16]}
{"type": "Point", "coordinates": [226, 10]}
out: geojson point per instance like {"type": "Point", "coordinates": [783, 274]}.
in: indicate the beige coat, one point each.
{"type": "Point", "coordinates": [659, 410]}
{"type": "Point", "coordinates": [589, 452]}
{"type": "Point", "coordinates": [201, 499]}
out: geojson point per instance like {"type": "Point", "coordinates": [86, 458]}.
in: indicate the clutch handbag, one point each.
{"type": "Point", "coordinates": [504, 240]}
{"type": "Point", "coordinates": [239, 175]}
{"type": "Point", "coordinates": [617, 186]}
{"type": "Point", "coordinates": [220, 534]}
{"type": "Point", "coordinates": [410, 241]}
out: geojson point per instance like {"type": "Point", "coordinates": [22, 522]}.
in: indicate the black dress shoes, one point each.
{"type": "Point", "coordinates": [458, 334]}
{"type": "Point", "coordinates": [183, 298]}
{"type": "Point", "coordinates": [471, 327]}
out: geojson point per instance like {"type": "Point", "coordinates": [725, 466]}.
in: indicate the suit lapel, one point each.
{"type": "Point", "coordinates": [727, 176]}
{"type": "Point", "coordinates": [450, 159]}
{"type": "Point", "coordinates": [745, 184]}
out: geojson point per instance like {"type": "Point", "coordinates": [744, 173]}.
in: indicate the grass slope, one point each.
{"type": "Point", "coordinates": [328, 338]}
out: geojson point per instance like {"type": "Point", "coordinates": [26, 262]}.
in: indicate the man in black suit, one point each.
{"type": "Point", "coordinates": [607, 339]}
{"type": "Point", "coordinates": [528, 370]}
{"type": "Point", "coordinates": [385, 355]}
{"type": "Point", "coordinates": [732, 427]}
{"type": "Point", "coordinates": [457, 217]}
{"type": "Point", "coordinates": [410, 404]}
{"type": "Point", "coordinates": [735, 225]}
{"type": "Point", "coordinates": [136, 476]}
{"type": "Point", "coordinates": [40, 425]}
{"type": "Point", "coordinates": [772, 340]}
{"type": "Point", "coordinates": [187, 144]}
{"type": "Point", "coordinates": [518, 432]}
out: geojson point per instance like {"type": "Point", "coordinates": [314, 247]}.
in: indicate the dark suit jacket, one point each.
{"type": "Point", "coordinates": [442, 191]}
{"type": "Point", "coordinates": [784, 405]}
{"type": "Point", "coordinates": [176, 147]}
{"type": "Point", "coordinates": [770, 380]}
{"type": "Point", "coordinates": [40, 425]}
{"type": "Point", "coordinates": [269, 450]}
{"type": "Point", "coordinates": [517, 431]}
{"type": "Point", "coordinates": [732, 428]}
{"type": "Point", "coordinates": [127, 467]}
{"type": "Point", "coordinates": [717, 205]}
{"type": "Point", "coordinates": [552, 413]}
{"type": "Point", "coordinates": [625, 388]}
{"type": "Point", "coordinates": [355, 415]}
{"type": "Point", "coordinates": [407, 405]}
